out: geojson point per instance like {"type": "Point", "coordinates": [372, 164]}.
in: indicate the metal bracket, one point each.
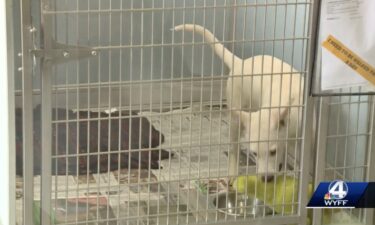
{"type": "Point", "coordinates": [61, 53]}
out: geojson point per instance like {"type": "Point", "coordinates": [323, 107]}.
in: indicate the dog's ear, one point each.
{"type": "Point", "coordinates": [279, 117]}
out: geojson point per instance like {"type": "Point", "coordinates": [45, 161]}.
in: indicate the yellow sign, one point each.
{"type": "Point", "coordinates": [350, 58]}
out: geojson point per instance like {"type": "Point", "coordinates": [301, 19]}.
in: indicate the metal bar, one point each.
{"type": "Point", "coordinates": [140, 109]}
{"type": "Point", "coordinates": [46, 140]}
{"type": "Point", "coordinates": [286, 152]}
{"type": "Point", "coordinates": [210, 128]}
{"type": "Point", "coordinates": [370, 173]}
{"type": "Point", "coordinates": [313, 47]}
{"type": "Point", "coordinates": [160, 105]}
{"type": "Point", "coordinates": [357, 132]}
{"type": "Point", "coordinates": [27, 113]}
{"type": "Point", "coordinates": [99, 141]}
{"type": "Point", "coordinates": [253, 37]}
{"type": "Point", "coordinates": [229, 6]}
{"type": "Point", "coordinates": [300, 98]}
{"type": "Point", "coordinates": [305, 157]}
{"type": "Point", "coordinates": [130, 95]}
{"type": "Point", "coordinates": [120, 131]}
{"type": "Point", "coordinates": [78, 108]}
{"type": "Point", "coordinates": [221, 85]}
{"type": "Point", "coordinates": [279, 100]}
{"type": "Point", "coordinates": [66, 180]}
{"type": "Point", "coordinates": [205, 77]}
{"type": "Point", "coordinates": [171, 108]}
{"type": "Point", "coordinates": [190, 102]}
{"type": "Point", "coordinates": [322, 94]}
{"type": "Point", "coordinates": [348, 119]}
{"type": "Point", "coordinates": [89, 109]}
{"type": "Point", "coordinates": [46, 143]}
{"type": "Point", "coordinates": [276, 220]}
{"type": "Point", "coordinates": [263, 93]}
{"type": "Point", "coordinates": [150, 96]}
{"type": "Point", "coordinates": [109, 47]}
{"type": "Point", "coordinates": [58, 185]}
{"type": "Point", "coordinates": [180, 130]}
{"type": "Point", "coordinates": [320, 162]}
{"type": "Point", "coordinates": [308, 113]}
{"type": "Point", "coordinates": [203, 56]}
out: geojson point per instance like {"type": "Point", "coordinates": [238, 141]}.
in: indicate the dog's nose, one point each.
{"type": "Point", "coordinates": [280, 166]}
{"type": "Point", "coordinates": [267, 178]}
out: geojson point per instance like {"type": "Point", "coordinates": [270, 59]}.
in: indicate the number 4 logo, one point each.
{"type": "Point", "coordinates": [338, 189]}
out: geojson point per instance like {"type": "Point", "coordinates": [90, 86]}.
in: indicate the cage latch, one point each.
{"type": "Point", "coordinates": [60, 53]}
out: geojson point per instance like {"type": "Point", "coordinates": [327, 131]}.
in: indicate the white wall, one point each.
{"type": "Point", "coordinates": [282, 23]}
{"type": "Point", "coordinates": [153, 28]}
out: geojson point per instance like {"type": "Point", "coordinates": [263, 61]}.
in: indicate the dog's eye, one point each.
{"type": "Point", "coordinates": [255, 154]}
{"type": "Point", "coordinates": [273, 152]}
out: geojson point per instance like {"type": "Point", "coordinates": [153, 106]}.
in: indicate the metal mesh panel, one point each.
{"type": "Point", "coordinates": [345, 137]}
{"type": "Point", "coordinates": [133, 121]}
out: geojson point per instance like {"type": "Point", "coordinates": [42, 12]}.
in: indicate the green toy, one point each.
{"type": "Point", "coordinates": [280, 194]}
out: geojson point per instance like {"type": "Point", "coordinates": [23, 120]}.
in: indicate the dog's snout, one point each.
{"type": "Point", "coordinates": [267, 178]}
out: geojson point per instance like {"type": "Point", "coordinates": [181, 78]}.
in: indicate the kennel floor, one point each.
{"type": "Point", "coordinates": [177, 193]}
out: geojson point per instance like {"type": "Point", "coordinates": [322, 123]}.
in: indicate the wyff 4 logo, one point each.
{"type": "Point", "coordinates": [337, 191]}
{"type": "Point", "coordinates": [336, 194]}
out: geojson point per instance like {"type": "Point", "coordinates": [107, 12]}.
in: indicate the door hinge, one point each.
{"type": "Point", "coordinates": [60, 53]}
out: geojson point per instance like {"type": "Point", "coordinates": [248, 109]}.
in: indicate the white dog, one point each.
{"type": "Point", "coordinates": [277, 125]}
{"type": "Point", "coordinates": [270, 132]}
{"type": "Point", "coordinates": [260, 81]}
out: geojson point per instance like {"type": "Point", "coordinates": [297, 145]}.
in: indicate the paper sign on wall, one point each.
{"type": "Point", "coordinates": [349, 23]}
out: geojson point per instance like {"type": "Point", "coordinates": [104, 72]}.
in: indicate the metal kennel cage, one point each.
{"type": "Point", "coordinates": [344, 144]}
{"type": "Point", "coordinates": [121, 120]}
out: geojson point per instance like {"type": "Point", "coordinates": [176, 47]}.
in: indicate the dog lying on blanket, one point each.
{"type": "Point", "coordinates": [137, 147]}
{"type": "Point", "coordinates": [264, 82]}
